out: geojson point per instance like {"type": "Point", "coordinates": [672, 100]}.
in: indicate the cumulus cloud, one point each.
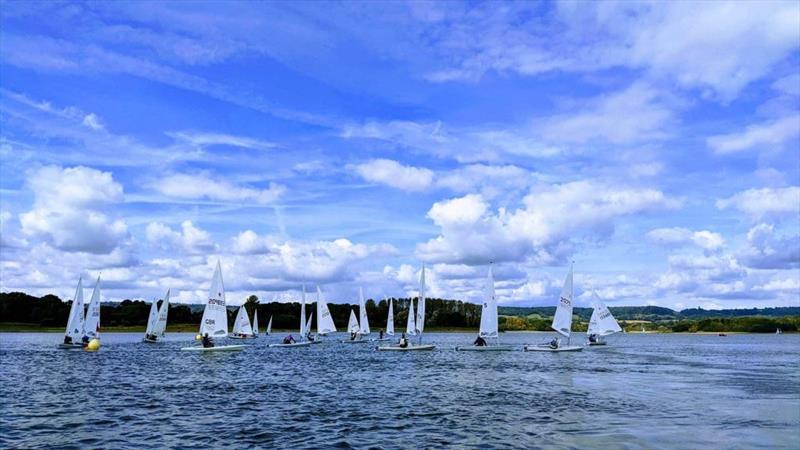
{"type": "Point", "coordinates": [211, 187]}
{"type": "Point", "coordinates": [541, 229]}
{"type": "Point", "coordinates": [763, 135]}
{"type": "Point", "coordinates": [394, 174]}
{"type": "Point", "coordinates": [190, 238]}
{"type": "Point", "coordinates": [93, 121]}
{"type": "Point", "coordinates": [69, 209]}
{"type": "Point", "coordinates": [766, 249]}
{"type": "Point", "coordinates": [765, 202]}
{"type": "Point", "coordinates": [680, 236]}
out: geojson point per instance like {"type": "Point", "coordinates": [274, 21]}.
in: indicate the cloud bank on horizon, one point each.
{"type": "Point", "coordinates": [656, 144]}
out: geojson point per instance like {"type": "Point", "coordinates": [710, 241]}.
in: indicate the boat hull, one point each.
{"type": "Point", "coordinates": [150, 341]}
{"type": "Point", "coordinates": [70, 346]}
{"type": "Point", "coordinates": [219, 348]}
{"type": "Point", "coordinates": [485, 348]}
{"type": "Point", "coordinates": [386, 339]}
{"type": "Point", "coordinates": [537, 348]}
{"type": "Point", "coordinates": [357, 341]}
{"type": "Point", "coordinates": [296, 344]}
{"type": "Point", "coordinates": [410, 348]}
{"type": "Point", "coordinates": [595, 343]}
{"type": "Point", "coordinates": [241, 337]}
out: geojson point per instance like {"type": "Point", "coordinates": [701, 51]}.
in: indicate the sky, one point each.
{"type": "Point", "coordinates": [656, 145]}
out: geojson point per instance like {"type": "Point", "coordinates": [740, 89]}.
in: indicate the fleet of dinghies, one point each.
{"type": "Point", "coordinates": [83, 328]}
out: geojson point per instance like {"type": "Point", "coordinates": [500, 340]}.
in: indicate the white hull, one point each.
{"type": "Point", "coordinates": [596, 343]}
{"type": "Point", "coordinates": [485, 348]}
{"type": "Point", "coordinates": [150, 341]}
{"type": "Point", "coordinates": [357, 341]}
{"type": "Point", "coordinates": [219, 348]}
{"type": "Point", "coordinates": [241, 337]}
{"type": "Point", "coordinates": [410, 348]}
{"type": "Point", "coordinates": [386, 339]}
{"type": "Point", "coordinates": [547, 348]}
{"type": "Point", "coordinates": [296, 344]}
{"type": "Point", "coordinates": [70, 346]}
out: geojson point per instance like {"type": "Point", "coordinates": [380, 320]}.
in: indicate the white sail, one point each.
{"type": "Point", "coordinates": [489, 311]}
{"type": "Point", "coordinates": [152, 319]}
{"type": "Point", "coordinates": [420, 325]}
{"type": "Point", "coordinates": [255, 322]}
{"type": "Point", "coordinates": [92, 322]}
{"type": "Point", "coordinates": [303, 313]}
{"type": "Point", "coordinates": [269, 326]}
{"type": "Point", "coordinates": [163, 312]}
{"type": "Point", "coordinates": [242, 323]}
{"type": "Point", "coordinates": [562, 321]}
{"type": "Point", "coordinates": [324, 319]}
{"type": "Point", "coordinates": [602, 323]}
{"type": "Point", "coordinates": [75, 321]}
{"type": "Point", "coordinates": [308, 323]}
{"type": "Point", "coordinates": [215, 315]}
{"type": "Point", "coordinates": [390, 320]}
{"type": "Point", "coordinates": [411, 328]}
{"type": "Point", "coordinates": [352, 324]}
{"type": "Point", "coordinates": [362, 310]}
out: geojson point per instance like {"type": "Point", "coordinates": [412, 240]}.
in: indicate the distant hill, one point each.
{"type": "Point", "coordinates": [654, 313]}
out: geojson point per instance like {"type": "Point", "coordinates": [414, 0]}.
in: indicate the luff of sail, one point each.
{"type": "Point", "coordinates": [75, 321]}
{"type": "Point", "coordinates": [324, 320]}
{"type": "Point", "coordinates": [562, 321]}
{"type": "Point", "coordinates": [362, 311]}
{"type": "Point", "coordinates": [602, 322]}
{"type": "Point", "coordinates": [163, 312]}
{"type": "Point", "coordinates": [489, 311]}
{"type": "Point", "coordinates": [390, 320]}
{"type": "Point", "coordinates": [92, 322]}
{"type": "Point", "coordinates": [420, 322]}
{"type": "Point", "coordinates": [215, 314]}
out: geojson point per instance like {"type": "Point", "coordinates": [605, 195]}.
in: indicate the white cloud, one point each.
{"type": "Point", "coordinates": [69, 209]}
{"type": "Point", "coordinates": [762, 135]}
{"type": "Point", "coordinates": [93, 121]}
{"type": "Point", "coordinates": [678, 236]}
{"type": "Point", "coordinates": [207, 186]}
{"type": "Point", "coordinates": [541, 229]}
{"type": "Point", "coordinates": [765, 202]}
{"type": "Point", "coordinates": [190, 239]}
{"type": "Point", "coordinates": [766, 249]}
{"type": "Point", "coordinates": [394, 174]}
{"type": "Point", "coordinates": [199, 139]}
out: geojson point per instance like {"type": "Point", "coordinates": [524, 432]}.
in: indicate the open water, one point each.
{"type": "Point", "coordinates": [641, 391]}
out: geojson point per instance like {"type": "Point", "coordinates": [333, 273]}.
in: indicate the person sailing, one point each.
{"type": "Point", "coordinates": [593, 338]}
{"type": "Point", "coordinates": [403, 341]}
{"type": "Point", "coordinates": [207, 342]}
{"type": "Point", "coordinates": [353, 336]}
{"type": "Point", "coordinates": [380, 335]}
{"type": "Point", "coordinates": [554, 343]}
{"type": "Point", "coordinates": [288, 339]}
{"type": "Point", "coordinates": [480, 341]}
{"type": "Point", "coordinates": [67, 340]}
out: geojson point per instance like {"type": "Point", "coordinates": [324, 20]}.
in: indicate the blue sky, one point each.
{"type": "Point", "coordinates": [655, 144]}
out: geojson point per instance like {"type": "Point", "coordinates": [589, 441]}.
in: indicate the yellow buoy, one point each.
{"type": "Point", "coordinates": [198, 337]}
{"type": "Point", "coordinates": [93, 345]}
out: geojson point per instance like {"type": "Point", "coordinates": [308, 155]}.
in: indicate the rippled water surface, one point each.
{"type": "Point", "coordinates": [641, 391]}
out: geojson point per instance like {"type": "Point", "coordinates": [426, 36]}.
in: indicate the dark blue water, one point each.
{"type": "Point", "coordinates": [642, 391]}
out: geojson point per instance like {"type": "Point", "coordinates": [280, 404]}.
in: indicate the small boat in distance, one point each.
{"type": "Point", "coordinates": [157, 326]}
{"type": "Point", "coordinates": [74, 331]}
{"type": "Point", "coordinates": [489, 324]}
{"type": "Point", "coordinates": [778, 331]}
{"type": "Point", "coordinates": [269, 326]}
{"type": "Point", "coordinates": [601, 324]}
{"type": "Point", "coordinates": [416, 323]}
{"type": "Point", "coordinates": [354, 329]}
{"type": "Point", "coordinates": [302, 342]}
{"type": "Point", "coordinates": [389, 325]}
{"type": "Point", "coordinates": [215, 317]}
{"type": "Point", "coordinates": [562, 322]}
{"type": "Point", "coordinates": [255, 322]}
{"type": "Point", "coordinates": [241, 326]}
{"type": "Point", "coordinates": [325, 323]}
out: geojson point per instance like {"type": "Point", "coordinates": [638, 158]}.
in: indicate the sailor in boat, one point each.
{"type": "Point", "coordinates": [207, 342]}
{"type": "Point", "coordinates": [353, 336]}
{"type": "Point", "coordinates": [151, 337]}
{"type": "Point", "coordinates": [479, 342]}
{"type": "Point", "coordinates": [85, 340]}
{"type": "Point", "coordinates": [380, 335]}
{"type": "Point", "coordinates": [310, 337]}
{"type": "Point", "coordinates": [288, 339]}
{"type": "Point", "coordinates": [592, 338]}
{"type": "Point", "coordinates": [555, 343]}
{"type": "Point", "coordinates": [403, 341]}
{"type": "Point", "coordinates": [67, 340]}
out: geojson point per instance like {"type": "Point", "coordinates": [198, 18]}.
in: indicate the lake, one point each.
{"type": "Point", "coordinates": [641, 391]}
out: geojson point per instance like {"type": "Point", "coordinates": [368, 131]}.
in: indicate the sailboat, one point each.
{"type": "Point", "coordinates": [91, 325]}
{"type": "Point", "coordinates": [416, 323]}
{"type": "Point", "coordinates": [324, 319]}
{"type": "Point", "coordinates": [152, 320]}
{"type": "Point", "coordinates": [489, 324]}
{"type": "Point", "coordinates": [562, 322]}
{"type": "Point", "coordinates": [156, 327]}
{"type": "Point", "coordinates": [269, 326]}
{"type": "Point", "coordinates": [354, 329]}
{"type": "Point", "coordinates": [255, 323]}
{"type": "Point", "coordinates": [778, 331]}
{"type": "Point", "coordinates": [303, 342]}
{"type": "Point", "coordinates": [601, 324]}
{"type": "Point", "coordinates": [242, 329]}
{"type": "Point", "coordinates": [74, 331]}
{"type": "Point", "coordinates": [389, 324]}
{"type": "Point", "coordinates": [215, 317]}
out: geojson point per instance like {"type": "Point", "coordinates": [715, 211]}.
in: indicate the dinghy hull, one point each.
{"type": "Point", "coordinates": [547, 348]}
{"type": "Point", "coordinates": [70, 346]}
{"type": "Point", "coordinates": [241, 337]}
{"type": "Point", "coordinates": [296, 344]}
{"type": "Point", "coordinates": [595, 343]}
{"type": "Point", "coordinates": [485, 348]}
{"type": "Point", "coordinates": [220, 348]}
{"type": "Point", "coordinates": [410, 348]}
{"type": "Point", "coordinates": [387, 339]}
{"type": "Point", "coordinates": [150, 341]}
{"type": "Point", "coordinates": [357, 341]}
